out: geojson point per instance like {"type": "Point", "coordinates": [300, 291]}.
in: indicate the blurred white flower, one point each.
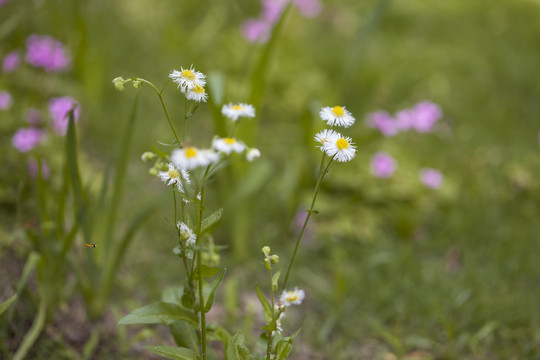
{"type": "Point", "coordinates": [197, 93]}
{"type": "Point", "coordinates": [337, 115]}
{"type": "Point", "coordinates": [294, 297]}
{"type": "Point", "coordinates": [228, 145]}
{"type": "Point", "coordinates": [235, 111]}
{"type": "Point", "coordinates": [186, 234]}
{"type": "Point", "coordinates": [322, 137]}
{"type": "Point", "coordinates": [191, 157]}
{"type": "Point", "coordinates": [253, 154]}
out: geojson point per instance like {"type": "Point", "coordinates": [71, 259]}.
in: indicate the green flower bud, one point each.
{"type": "Point", "coordinates": [153, 171]}
{"type": "Point", "coordinates": [147, 156]}
{"type": "Point", "coordinates": [119, 83]}
{"type": "Point", "coordinates": [274, 259]}
{"type": "Point", "coordinates": [136, 83]}
{"type": "Point", "coordinates": [266, 250]}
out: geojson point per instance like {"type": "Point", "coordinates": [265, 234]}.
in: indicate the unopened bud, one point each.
{"type": "Point", "coordinates": [274, 259]}
{"type": "Point", "coordinates": [253, 154]}
{"type": "Point", "coordinates": [136, 83]}
{"type": "Point", "coordinates": [153, 171]}
{"type": "Point", "coordinates": [266, 250]}
{"type": "Point", "coordinates": [147, 156]}
{"type": "Point", "coordinates": [119, 83]}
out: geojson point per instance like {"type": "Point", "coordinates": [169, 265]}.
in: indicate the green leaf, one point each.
{"type": "Point", "coordinates": [284, 346]}
{"type": "Point", "coordinates": [173, 295]}
{"type": "Point", "coordinates": [157, 313]}
{"type": "Point", "coordinates": [207, 272]}
{"type": "Point", "coordinates": [212, 221]}
{"type": "Point", "coordinates": [237, 350]}
{"type": "Point", "coordinates": [267, 307]}
{"type": "Point", "coordinates": [185, 335]}
{"type": "Point", "coordinates": [171, 352]}
{"type": "Point", "coordinates": [209, 290]}
{"type": "Point", "coordinates": [31, 336]}
{"type": "Point", "coordinates": [5, 304]}
{"type": "Point", "coordinates": [275, 280]}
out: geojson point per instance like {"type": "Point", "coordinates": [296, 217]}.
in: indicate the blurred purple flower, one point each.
{"type": "Point", "coordinates": [11, 61]}
{"type": "Point", "coordinates": [404, 119]}
{"type": "Point", "coordinates": [256, 30]}
{"type": "Point", "coordinates": [308, 8]}
{"type": "Point", "coordinates": [33, 168]}
{"type": "Point", "coordinates": [2, 2]}
{"type": "Point", "coordinates": [59, 108]}
{"type": "Point", "coordinates": [33, 116]}
{"type": "Point", "coordinates": [383, 121]}
{"type": "Point", "coordinates": [425, 114]}
{"type": "Point", "coordinates": [25, 139]}
{"type": "Point", "coordinates": [5, 100]}
{"type": "Point", "coordinates": [47, 53]}
{"type": "Point", "coordinates": [431, 178]}
{"type": "Point", "coordinates": [383, 165]}
{"type": "Point", "coordinates": [272, 10]}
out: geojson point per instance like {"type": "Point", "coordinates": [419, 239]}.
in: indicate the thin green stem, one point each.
{"type": "Point", "coordinates": [269, 346]}
{"type": "Point", "coordinates": [164, 107]}
{"type": "Point", "coordinates": [185, 120]}
{"type": "Point", "coordinates": [322, 173]}
{"type": "Point", "coordinates": [199, 266]}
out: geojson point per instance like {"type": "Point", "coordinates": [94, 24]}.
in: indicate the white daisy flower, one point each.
{"type": "Point", "coordinates": [279, 328]}
{"type": "Point", "coordinates": [322, 137]}
{"type": "Point", "coordinates": [253, 154]}
{"type": "Point", "coordinates": [188, 78]}
{"type": "Point", "coordinates": [186, 234]}
{"type": "Point", "coordinates": [340, 147]}
{"type": "Point", "coordinates": [337, 115]}
{"type": "Point", "coordinates": [228, 145]}
{"type": "Point", "coordinates": [235, 111]}
{"type": "Point", "coordinates": [197, 93]}
{"type": "Point", "coordinates": [294, 297]}
{"type": "Point", "coordinates": [172, 176]}
{"type": "Point", "coordinates": [190, 158]}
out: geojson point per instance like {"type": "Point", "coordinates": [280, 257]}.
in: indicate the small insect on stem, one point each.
{"type": "Point", "coordinates": [90, 245]}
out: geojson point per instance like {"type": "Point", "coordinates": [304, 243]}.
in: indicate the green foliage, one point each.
{"type": "Point", "coordinates": [157, 313]}
{"type": "Point", "coordinates": [171, 352]}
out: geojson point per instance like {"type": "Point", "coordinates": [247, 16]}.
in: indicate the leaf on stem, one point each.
{"type": "Point", "coordinates": [211, 222]}
{"type": "Point", "coordinates": [267, 307]}
{"type": "Point", "coordinates": [236, 349]}
{"type": "Point", "coordinates": [158, 313]}
{"type": "Point", "coordinates": [171, 352]}
{"type": "Point", "coordinates": [209, 290]}
{"type": "Point", "coordinates": [185, 335]}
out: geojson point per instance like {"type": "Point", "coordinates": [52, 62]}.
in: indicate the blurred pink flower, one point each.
{"type": "Point", "coordinates": [272, 10]}
{"type": "Point", "coordinates": [33, 168]}
{"type": "Point", "coordinates": [2, 2]}
{"type": "Point", "coordinates": [25, 139]}
{"type": "Point", "coordinates": [308, 8]}
{"type": "Point", "coordinates": [431, 178]}
{"type": "Point", "coordinates": [256, 30]}
{"type": "Point", "coordinates": [425, 114]}
{"type": "Point", "coordinates": [33, 116]}
{"type": "Point", "coordinates": [383, 121]}
{"type": "Point", "coordinates": [383, 165]}
{"type": "Point", "coordinates": [404, 119]}
{"type": "Point", "coordinates": [47, 53]}
{"type": "Point", "coordinates": [59, 108]}
{"type": "Point", "coordinates": [11, 61]}
{"type": "Point", "coordinates": [5, 100]}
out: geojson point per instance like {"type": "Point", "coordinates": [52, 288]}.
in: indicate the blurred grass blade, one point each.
{"type": "Point", "coordinates": [120, 172]}
{"type": "Point", "coordinates": [31, 336]}
{"type": "Point", "coordinates": [42, 191]}
{"type": "Point", "coordinates": [62, 203]}
{"type": "Point", "coordinates": [73, 167]}
{"type": "Point", "coordinates": [5, 305]}
{"type": "Point", "coordinates": [216, 92]}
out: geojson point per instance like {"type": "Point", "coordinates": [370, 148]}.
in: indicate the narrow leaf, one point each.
{"type": "Point", "coordinates": [275, 280]}
{"type": "Point", "coordinates": [171, 352]}
{"type": "Point", "coordinates": [5, 304]}
{"type": "Point", "coordinates": [157, 313]}
{"type": "Point", "coordinates": [212, 221]}
{"type": "Point", "coordinates": [185, 335]}
{"type": "Point", "coordinates": [209, 290]}
{"type": "Point", "coordinates": [267, 307]}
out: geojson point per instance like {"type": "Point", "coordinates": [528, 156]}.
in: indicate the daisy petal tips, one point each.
{"type": "Point", "coordinates": [173, 176]}
{"type": "Point", "coordinates": [323, 136]}
{"type": "Point", "coordinates": [191, 157]}
{"type": "Point", "coordinates": [228, 145]}
{"type": "Point", "coordinates": [340, 148]}
{"type": "Point", "coordinates": [337, 116]}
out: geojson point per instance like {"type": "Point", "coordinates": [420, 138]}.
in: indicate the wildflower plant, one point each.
{"type": "Point", "coordinates": [187, 168]}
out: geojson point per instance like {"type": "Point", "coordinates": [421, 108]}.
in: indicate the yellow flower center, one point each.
{"type": "Point", "coordinates": [174, 174]}
{"type": "Point", "coordinates": [291, 296]}
{"type": "Point", "coordinates": [191, 152]}
{"type": "Point", "coordinates": [229, 141]}
{"type": "Point", "coordinates": [188, 74]}
{"type": "Point", "coordinates": [237, 107]}
{"type": "Point", "coordinates": [338, 110]}
{"type": "Point", "coordinates": [198, 89]}
{"type": "Point", "coordinates": [342, 144]}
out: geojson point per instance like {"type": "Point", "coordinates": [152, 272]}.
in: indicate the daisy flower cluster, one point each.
{"type": "Point", "coordinates": [335, 145]}
{"type": "Point", "coordinates": [191, 83]}
{"type": "Point", "coordinates": [420, 118]}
